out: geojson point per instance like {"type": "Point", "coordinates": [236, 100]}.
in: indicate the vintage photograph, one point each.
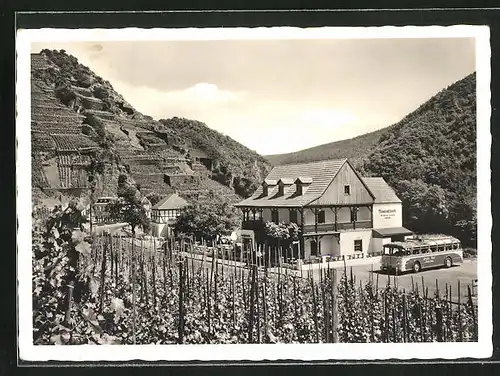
{"type": "Point", "coordinates": [255, 190]}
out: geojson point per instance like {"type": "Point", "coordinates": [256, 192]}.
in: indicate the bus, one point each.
{"type": "Point", "coordinates": [421, 252]}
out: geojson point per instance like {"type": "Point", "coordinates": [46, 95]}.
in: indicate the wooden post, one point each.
{"type": "Point", "coordinates": [315, 310]}
{"type": "Point", "coordinates": [209, 302]}
{"type": "Point", "coordinates": [256, 292]}
{"type": "Point", "coordinates": [460, 334]}
{"type": "Point", "coordinates": [154, 276]}
{"type": "Point", "coordinates": [103, 275]}
{"type": "Point", "coordinates": [67, 318]}
{"type": "Point", "coordinates": [405, 334]}
{"type": "Point", "coordinates": [134, 298]}
{"type": "Point", "coordinates": [473, 313]}
{"type": "Point", "coordinates": [181, 304]}
{"type": "Point", "coordinates": [252, 308]}
{"type": "Point", "coordinates": [264, 307]}
{"type": "Point", "coordinates": [439, 323]}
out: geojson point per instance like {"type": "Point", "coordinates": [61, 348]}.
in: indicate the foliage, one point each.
{"type": "Point", "coordinates": [128, 207]}
{"type": "Point", "coordinates": [65, 94]}
{"type": "Point", "coordinates": [104, 139]}
{"type": "Point", "coordinates": [429, 157]}
{"type": "Point", "coordinates": [231, 158]}
{"type": "Point", "coordinates": [208, 219]}
{"type": "Point", "coordinates": [281, 233]}
{"type": "Point", "coordinates": [59, 244]}
{"type": "Point", "coordinates": [354, 149]}
{"type": "Point", "coordinates": [153, 197]}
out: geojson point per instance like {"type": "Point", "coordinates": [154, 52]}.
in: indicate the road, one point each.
{"type": "Point", "coordinates": [465, 273]}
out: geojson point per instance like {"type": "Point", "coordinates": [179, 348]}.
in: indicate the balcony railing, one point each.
{"type": "Point", "coordinates": [252, 225]}
{"type": "Point", "coordinates": [322, 227]}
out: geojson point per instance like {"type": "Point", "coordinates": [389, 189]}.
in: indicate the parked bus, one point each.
{"type": "Point", "coordinates": [421, 252]}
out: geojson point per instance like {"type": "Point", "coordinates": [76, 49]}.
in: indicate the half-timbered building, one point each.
{"type": "Point", "coordinates": [338, 211]}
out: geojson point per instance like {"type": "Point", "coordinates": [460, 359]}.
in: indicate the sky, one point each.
{"type": "Point", "coordinates": [279, 96]}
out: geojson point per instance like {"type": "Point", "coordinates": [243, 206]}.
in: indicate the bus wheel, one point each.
{"type": "Point", "coordinates": [448, 262]}
{"type": "Point", "coordinates": [416, 267]}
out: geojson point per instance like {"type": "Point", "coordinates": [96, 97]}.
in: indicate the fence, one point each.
{"type": "Point", "coordinates": [144, 293]}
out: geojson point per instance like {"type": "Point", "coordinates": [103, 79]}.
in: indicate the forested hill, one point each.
{"type": "Point", "coordinates": [354, 149]}
{"type": "Point", "coordinates": [429, 157]}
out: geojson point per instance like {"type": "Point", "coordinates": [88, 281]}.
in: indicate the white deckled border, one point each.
{"type": "Point", "coordinates": [380, 351]}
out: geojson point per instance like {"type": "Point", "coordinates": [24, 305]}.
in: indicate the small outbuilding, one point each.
{"type": "Point", "coordinates": [165, 213]}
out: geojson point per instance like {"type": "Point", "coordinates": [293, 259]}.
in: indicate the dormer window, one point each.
{"type": "Point", "coordinates": [284, 184]}
{"type": "Point", "coordinates": [302, 183]}
{"type": "Point", "coordinates": [266, 184]}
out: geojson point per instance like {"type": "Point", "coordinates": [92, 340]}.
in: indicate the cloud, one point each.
{"type": "Point", "coordinates": [205, 93]}
{"type": "Point", "coordinates": [196, 99]}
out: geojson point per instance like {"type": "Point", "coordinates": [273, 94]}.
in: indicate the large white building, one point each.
{"type": "Point", "coordinates": [339, 212]}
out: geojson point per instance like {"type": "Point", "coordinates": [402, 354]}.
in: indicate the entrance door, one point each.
{"type": "Point", "coordinates": [314, 248]}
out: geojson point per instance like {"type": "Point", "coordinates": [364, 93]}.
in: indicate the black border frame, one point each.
{"type": "Point", "coordinates": [293, 16]}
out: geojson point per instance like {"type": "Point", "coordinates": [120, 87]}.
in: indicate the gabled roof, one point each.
{"type": "Point", "coordinates": [321, 173]}
{"type": "Point", "coordinates": [174, 201]}
{"type": "Point", "coordinates": [287, 181]}
{"type": "Point", "coordinates": [383, 193]}
{"type": "Point", "coordinates": [304, 180]}
{"type": "Point", "coordinates": [271, 182]}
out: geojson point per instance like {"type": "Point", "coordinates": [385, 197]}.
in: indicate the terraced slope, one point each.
{"type": "Point", "coordinates": [76, 116]}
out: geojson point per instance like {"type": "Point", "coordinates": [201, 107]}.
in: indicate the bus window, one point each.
{"type": "Point", "coordinates": [455, 245]}
{"type": "Point", "coordinates": [416, 251]}
{"type": "Point", "coordinates": [441, 248]}
{"type": "Point", "coordinates": [433, 248]}
{"type": "Point", "coordinates": [448, 247]}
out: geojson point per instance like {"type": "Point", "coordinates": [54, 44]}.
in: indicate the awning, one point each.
{"type": "Point", "coordinates": [391, 231]}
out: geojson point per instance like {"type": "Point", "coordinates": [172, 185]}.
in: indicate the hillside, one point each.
{"type": "Point", "coordinates": [77, 117]}
{"type": "Point", "coordinates": [354, 149]}
{"type": "Point", "coordinates": [429, 157]}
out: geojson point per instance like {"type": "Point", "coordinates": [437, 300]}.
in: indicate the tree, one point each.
{"type": "Point", "coordinates": [153, 197]}
{"type": "Point", "coordinates": [425, 207]}
{"type": "Point", "coordinates": [128, 207]}
{"type": "Point", "coordinates": [207, 219]}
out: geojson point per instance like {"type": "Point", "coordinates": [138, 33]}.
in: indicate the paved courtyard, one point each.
{"type": "Point", "coordinates": [465, 273]}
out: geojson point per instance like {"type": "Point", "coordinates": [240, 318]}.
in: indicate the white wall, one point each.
{"type": "Point", "coordinates": [347, 241]}
{"type": "Point", "coordinates": [387, 215]}
{"type": "Point", "coordinates": [329, 246]}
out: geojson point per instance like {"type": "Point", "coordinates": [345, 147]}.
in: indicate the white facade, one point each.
{"type": "Point", "coordinates": [387, 215]}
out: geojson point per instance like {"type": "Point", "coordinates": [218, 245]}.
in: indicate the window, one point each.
{"type": "Point", "coordinates": [275, 216]}
{"type": "Point", "coordinates": [433, 248]}
{"type": "Point", "coordinates": [354, 214]}
{"type": "Point", "coordinates": [293, 216]}
{"type": "Point", "coordinates": [321, 216]}
{"type": "Point", "coordinates": [358, 246]}
{"type": "Point", "coordinates": [416, 251]}
{"type": "Point", "coordinates": [347, 190]}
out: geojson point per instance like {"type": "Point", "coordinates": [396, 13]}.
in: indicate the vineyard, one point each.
{"type": "Point", "coordinates": [109, 289]}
